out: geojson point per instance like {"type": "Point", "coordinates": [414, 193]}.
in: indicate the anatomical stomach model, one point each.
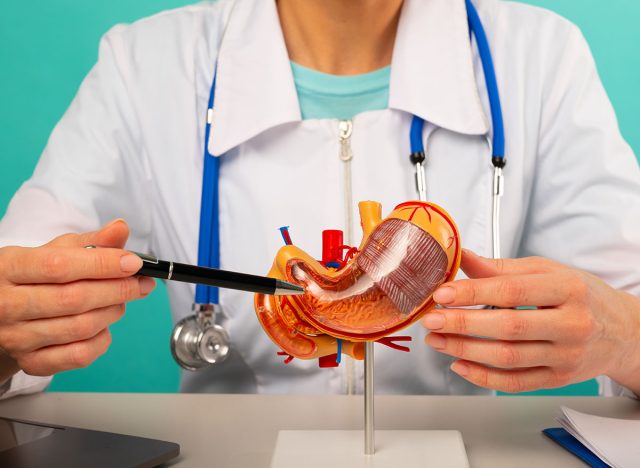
{"type": "Point", "coordinates": [366, 294]}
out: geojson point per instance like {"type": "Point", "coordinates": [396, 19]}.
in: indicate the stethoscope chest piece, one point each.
{"type": "Point", "coordinates": [197, 341]}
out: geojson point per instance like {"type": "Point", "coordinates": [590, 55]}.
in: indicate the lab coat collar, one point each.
{"type": "Point", "coordinates": [254, 87]}
{"type": "Point", "coordinates": [431, 73]}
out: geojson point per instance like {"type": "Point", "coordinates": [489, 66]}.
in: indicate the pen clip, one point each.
{"type": "Point", "coordinates": [146, 257]}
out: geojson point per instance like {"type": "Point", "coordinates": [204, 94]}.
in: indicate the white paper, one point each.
{"type": "Point", "coordinates": [615, 441]}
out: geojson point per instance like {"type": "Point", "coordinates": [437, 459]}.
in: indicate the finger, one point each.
{"type": "Point", "coordinates": [25, 337]}
{"type": "Point", "coordinates": [502, 324]}
{"type": "Point", "coordinates": [541, 290]}
{"type": "Point", "coordinates": [476, 266]}
{"type": "Point", "coordinates": [66, 264]}
{"type": "Point", "coordinates": [113, 234]}
{"type": "Point", "coordinates": [54, 359]}
{"type": "Point", "coordinates": [509, 381]}
{"type": "Point", "coordinates": [47, 301]}
{"type": "Point", "coordinates": [503, 354]}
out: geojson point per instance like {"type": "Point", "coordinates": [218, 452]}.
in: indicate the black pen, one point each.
{"type": "Point", "coordinates": [175, 271]}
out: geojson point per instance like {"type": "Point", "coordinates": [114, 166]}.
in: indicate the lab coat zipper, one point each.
{"type": "Point", "coordinates": [345, 129]}
{"type": "Point", "coordinates": [346, 155]}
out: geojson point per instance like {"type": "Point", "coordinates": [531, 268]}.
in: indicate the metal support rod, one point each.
{"type": "Point", "coordinates": [369, 437]}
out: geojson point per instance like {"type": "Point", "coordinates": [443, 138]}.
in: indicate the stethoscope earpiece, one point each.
{"type": "Point", "coordinates": [197, 341]}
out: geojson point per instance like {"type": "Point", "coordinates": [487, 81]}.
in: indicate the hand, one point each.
{"type": "Point", "coordinates": [582, 328]}
{"type": "Point", "coordinates": [58, 300]}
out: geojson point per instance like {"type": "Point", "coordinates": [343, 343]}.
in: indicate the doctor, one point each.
{"type": "Point", "coordinates": [298, 84]}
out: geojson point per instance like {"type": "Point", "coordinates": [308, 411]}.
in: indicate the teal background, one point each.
{"type": "Point", "coordinates": [47, 47]}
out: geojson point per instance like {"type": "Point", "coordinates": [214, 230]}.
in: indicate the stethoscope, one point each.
{"type": "Point", "coordinates": [198, 341]}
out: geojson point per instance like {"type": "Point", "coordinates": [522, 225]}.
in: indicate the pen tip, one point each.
{"type": "Point", "coordinates": [287, 289]}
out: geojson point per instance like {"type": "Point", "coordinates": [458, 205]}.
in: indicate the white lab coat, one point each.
{"type": "Point", "coordinates": [131, 146]}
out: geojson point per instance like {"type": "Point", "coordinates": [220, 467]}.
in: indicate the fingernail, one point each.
{"type": "Point", "coordinates": [146, 285]}
{"type": "Point", "coordinates": [114, 222]}
{"type": "Point", "coordinates": [436, 341]}
{"type": "Point", "coordinates": [460, 368]}
{"type": "Point", "coordinates": [444, 295]}
{"type": "Point", "coordinates": [433, 321]}
{"type": "Point", "coordinates": [130, 263]}
{"type": "Point", "coordinates": [469, 252]}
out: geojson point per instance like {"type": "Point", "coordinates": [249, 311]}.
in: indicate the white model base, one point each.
{"type": "Point", "coordinates": [338, 449]}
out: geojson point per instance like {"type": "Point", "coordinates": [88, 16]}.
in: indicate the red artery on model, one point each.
{"type": "Point", "coordinates": [355, 295]}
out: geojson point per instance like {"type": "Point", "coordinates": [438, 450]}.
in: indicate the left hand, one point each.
{"type": "Point", "coordinates": [582, 327]}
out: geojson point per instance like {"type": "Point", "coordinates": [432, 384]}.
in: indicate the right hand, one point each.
{"type": "Point", "coordinates": [58, 300]}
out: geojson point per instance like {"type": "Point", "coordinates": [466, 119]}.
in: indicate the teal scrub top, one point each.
{"type": "Point", "coordinates": [325, 96]}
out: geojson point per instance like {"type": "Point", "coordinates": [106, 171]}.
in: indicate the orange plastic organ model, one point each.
{"type": "Point", "coordinates": [366, 294]}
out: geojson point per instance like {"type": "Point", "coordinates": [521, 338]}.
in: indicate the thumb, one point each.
{"type": "Point", "coordinates": [113, 234]}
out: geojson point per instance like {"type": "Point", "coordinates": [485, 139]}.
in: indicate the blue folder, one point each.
{"type": "Point", "coordinates": [570, 443]}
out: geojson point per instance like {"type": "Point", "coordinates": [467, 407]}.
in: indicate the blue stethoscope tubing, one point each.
{"type": "Point", "coordinates": [498, 143]}
{"type": "Point", "coordinates": [209, 234]}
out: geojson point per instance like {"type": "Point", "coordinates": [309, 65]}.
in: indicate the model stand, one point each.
{"type": "Point", "coordinates": [345, 449]}
{"type": "Point", "coordinates": [420, 241]}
